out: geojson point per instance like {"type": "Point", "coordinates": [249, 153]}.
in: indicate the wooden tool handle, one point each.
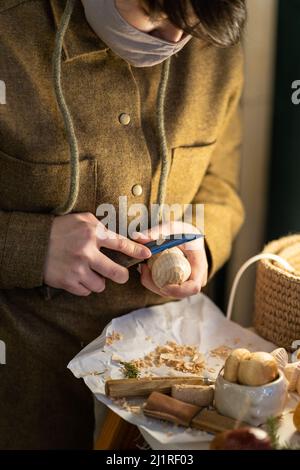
{"type": "Point", "coordinates": [120, 388]}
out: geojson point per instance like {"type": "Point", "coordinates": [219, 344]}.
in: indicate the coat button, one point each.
{"type": "Point", "coordinates": [124, 119]}
{"type": "Point", "coordinates": [137, 190]}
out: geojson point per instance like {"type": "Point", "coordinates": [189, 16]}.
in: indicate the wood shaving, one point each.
{"type": "Point", "coordinates": [119, 401]}
{"type": "Point", "coordinates": [114, 336]}
{"type": "Point", "coordinates": [222, 351]}
{"type": "Point", "coordinates": [116, 358]}
{"type": "Point", "coordinates": [123, 403]}
{"type": "Point", "coordinates": [189, 430]}
{"type": "Point", "coordinates": [135, 409]}
{"type": "Point", "coordinates": [94, 373]}
{"type": "Point", "coordinates": [183, 358]}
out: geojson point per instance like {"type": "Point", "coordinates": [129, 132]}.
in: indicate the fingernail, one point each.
{"type": "Point", "coordinates": [148, 254]}
{"type": "Point", "coordinates": [145, 252]}
{"type": "Point", "coordinates": [139, 268]}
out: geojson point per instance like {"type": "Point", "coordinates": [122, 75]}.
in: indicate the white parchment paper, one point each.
{"type": "Point", "coordinates": [193, 321]}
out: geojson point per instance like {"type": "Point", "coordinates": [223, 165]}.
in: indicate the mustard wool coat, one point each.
{"type": "Point", "coordinates": [113, 108]}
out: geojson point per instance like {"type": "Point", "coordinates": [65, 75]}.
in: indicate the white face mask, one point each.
{"type": "Point", "coordinates": [138, 48]}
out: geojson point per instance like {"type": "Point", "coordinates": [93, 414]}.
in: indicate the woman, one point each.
{"type": "Point", "coordinates": [142, 104]}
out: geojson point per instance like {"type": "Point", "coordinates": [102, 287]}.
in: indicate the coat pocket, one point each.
{"type": "Point", "coordinates": [41, 187]}
{"type": "Point", "coordinates": [188, 168]}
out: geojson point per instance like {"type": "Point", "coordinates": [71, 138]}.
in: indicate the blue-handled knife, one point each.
{"type": "Point", "coordinates": [155, 246]}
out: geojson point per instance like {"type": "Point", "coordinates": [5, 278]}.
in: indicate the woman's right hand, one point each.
{"type": "Point", "coordinates": [74, 261]}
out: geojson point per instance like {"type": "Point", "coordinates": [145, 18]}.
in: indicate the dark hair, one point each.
{"type": "Point", "coordinates": [219, 22]}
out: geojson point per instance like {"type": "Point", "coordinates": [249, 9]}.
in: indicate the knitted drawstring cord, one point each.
{"type": "Point", "coordinates": [163, 147]}
{"type": "Point", "coordinates": [69, 125]}
{"type": "Point", "coordinates": [65, 112]}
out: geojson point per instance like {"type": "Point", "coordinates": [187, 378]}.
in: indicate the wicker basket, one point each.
{"type": "Point", "coordinates": [277, 294]}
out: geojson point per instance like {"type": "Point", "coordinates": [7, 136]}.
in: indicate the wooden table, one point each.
{"type": "Point", "coordinates": [117, 434]}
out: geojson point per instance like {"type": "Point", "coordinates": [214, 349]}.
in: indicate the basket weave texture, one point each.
{"type": "Point", "coordinates": [277, 294]}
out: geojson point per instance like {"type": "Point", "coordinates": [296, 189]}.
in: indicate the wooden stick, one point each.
{"type": "Point", "coordinates": [120, 388]}
{"type": "Point", "coordinates": [166, 408]}
{"type": "Point", "coordinates": [163, 406]}
{"type": "Point", "coordinates": [212, 421]}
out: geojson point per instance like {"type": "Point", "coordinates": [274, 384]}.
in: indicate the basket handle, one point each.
{"type": "Point", "coordinates": [244, 267]}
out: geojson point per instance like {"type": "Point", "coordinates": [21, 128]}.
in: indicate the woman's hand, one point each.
{"type": "Point", "coordinates": [74, 261]}
{"type": "Point", "coordinates": [195, 253]}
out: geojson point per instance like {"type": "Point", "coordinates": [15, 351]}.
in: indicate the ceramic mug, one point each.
{"type": "Point", "coordinates": [254, 405]}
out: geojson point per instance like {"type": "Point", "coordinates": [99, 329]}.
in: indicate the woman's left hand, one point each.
{"type": "Point", "coordinates": [194, 252]}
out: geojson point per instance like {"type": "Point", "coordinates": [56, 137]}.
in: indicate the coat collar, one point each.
{"type": "Point", "coordinates": [80, 39]}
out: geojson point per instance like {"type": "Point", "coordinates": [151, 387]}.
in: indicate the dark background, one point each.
{"type": "Point", "coordinates": [283, 195]}
{"type": "Point", "coordinates": [284, 189]}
